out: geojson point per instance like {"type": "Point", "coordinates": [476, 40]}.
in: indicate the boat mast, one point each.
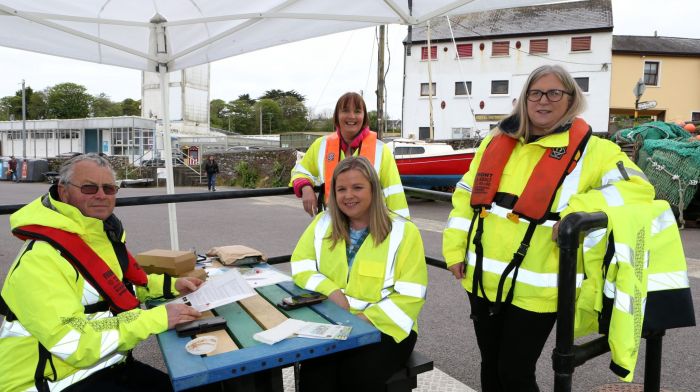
{"type": "Point", "coordinates": [430, 82]}
{"type": "Point", "coordinates": [381, 125]}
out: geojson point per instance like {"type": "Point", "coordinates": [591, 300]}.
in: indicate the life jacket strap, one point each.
{"type": "Point", "coordinates": [41, 382]}
{"type": "Point", "coordinates": [514, 266]}
{"type": "Point", "coordinates": [477, 277]}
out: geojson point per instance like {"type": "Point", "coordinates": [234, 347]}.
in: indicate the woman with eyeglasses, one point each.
{"type": "Point", "coordinates": [540, 164]}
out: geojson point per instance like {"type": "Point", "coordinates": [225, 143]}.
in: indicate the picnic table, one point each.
{"type": "Point", "coordinates": [252, 365]}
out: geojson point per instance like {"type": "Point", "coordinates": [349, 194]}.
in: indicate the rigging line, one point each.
{"type": "Point", "coordinates": [532, 54]}
{"type": "Point", "coordinates": [461, 73]}
{"type": "Point", "coordinates": [371, 58]}
{"type": "Point", "coordinates": [347, 43]}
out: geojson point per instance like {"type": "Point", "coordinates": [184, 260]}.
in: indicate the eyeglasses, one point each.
{"type": "Point", "coordinates": [552, 95]}
{"type": "Point", "coordinates": [91, 189]}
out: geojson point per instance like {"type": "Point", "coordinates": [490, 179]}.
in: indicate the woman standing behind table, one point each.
{"type": "Point", "coordinates": [352, 137]}
{"type": "Point", "coordinates": [540, 164]}
{"type": "Point", "coordinates": [371, 262]}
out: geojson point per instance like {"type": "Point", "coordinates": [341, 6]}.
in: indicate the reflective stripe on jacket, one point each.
{"type": "Point", "coordinates": [312, 167]}
{"type": "Point", "coordinates": [387, 283]}
{"type": "Point", "coordinates": [597, 181]}
{"type": "Point", "coordinates": [48, 297]}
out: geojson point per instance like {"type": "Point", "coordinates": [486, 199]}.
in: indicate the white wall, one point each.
{"type": "Point", "coordinates": [482, 68]}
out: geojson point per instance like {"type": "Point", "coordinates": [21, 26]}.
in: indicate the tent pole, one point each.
{"type": "Point", "coordinates": [167, 144]}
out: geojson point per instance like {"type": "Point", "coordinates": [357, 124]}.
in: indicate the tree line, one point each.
{"type": "Point", "coordinates": [276, 111]}
{"type": "Point", "coordinates": [62, 101]}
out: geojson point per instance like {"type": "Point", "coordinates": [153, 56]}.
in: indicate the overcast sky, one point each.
{"type": "Point", "coordinates": [320, 69]}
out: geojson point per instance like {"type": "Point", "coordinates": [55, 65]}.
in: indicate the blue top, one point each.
{"type": "Point", "coordinates": [357, 237]}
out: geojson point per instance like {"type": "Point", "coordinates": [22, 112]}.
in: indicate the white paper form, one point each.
{"type": "Point", "coordinates": [258, 277]}
{"type": "Point", "coordinates": [218, 290]}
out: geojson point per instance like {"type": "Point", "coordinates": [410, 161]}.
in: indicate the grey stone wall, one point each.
{"type": "Point", "coordinates": [272, 166]}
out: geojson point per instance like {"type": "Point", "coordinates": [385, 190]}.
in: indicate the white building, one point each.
{"type": "Point", "coordinates": [494, 52]}
{"type": "Point", "coordinates": [128, 136]}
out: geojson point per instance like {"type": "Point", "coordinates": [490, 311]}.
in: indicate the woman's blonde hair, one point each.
{"type": "Point", "coordinates": [379, 219]}
{"type": "Point", "coordinates": [519, 117]}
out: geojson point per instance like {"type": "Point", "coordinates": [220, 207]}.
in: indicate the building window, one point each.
{"type": "Point", "coordinates": [695, 116]}
{"type": "Point", "coordinates": [582, 83]}
{"type": "Point", "coordinates": [424, 89]}
{"type": "Point", "coordinates": [651, 73]}
{"type": "Point", "coordinates": [539, 46]}
{"type": "Point", "coordinates": [424, 53]}
{"type": "Point", "coordinates": [463, 88]}
{"type": "Point", "coordinates": [500, 48]}
{"type": "Point", "coordinates": [499, 87]}
{"type": "Point", "coordinates": [581, 44]}
{"type": "Point", "coordinates": [464, 50]}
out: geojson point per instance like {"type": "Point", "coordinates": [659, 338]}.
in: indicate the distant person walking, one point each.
{"type": "Point", "coordinates": [12, 171]}
{"type": "Point", "coordinates": [212, 169]}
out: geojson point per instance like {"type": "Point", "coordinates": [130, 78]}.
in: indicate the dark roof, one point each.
{"type": "Point", "coordinates": [571, 17]}
{"type": "Point", "coordinates": [656, 45]}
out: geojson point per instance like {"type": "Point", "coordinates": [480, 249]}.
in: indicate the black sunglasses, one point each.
{"type": "Point", "coordinates": [91, 189]}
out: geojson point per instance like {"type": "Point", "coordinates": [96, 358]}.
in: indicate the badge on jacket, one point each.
{"type": "Point", "coordinates": [557, 152]}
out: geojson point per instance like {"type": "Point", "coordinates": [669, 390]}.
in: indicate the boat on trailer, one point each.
{"type": "Point", "coordinates": [430, 165]}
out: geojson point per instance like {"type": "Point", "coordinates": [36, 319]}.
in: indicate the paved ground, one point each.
{"type": "Point", "coordinates": [274, 224]}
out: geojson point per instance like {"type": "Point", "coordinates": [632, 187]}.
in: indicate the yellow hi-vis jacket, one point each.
{"type": "Point", "coordinates": [642, 285]}
{"type": "Point", "coordinates": [387, 283]}
{"type": "Point", "coordinates": [603, 177]}
{"type": "Point", "coordinates": [48, 297]}
{"type": "Point", "coordinates": [312, 168]}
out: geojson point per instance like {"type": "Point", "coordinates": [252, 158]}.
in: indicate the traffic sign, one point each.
{"type": "Point", "coordinates": [646, 105]}
{"type": "Point", "coordinates": [639, 89]}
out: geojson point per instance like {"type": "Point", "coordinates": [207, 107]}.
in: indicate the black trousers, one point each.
{"type": "Point", "coordinates": [127, 376]}
{"type": "Point", "coordinates": [510, 343]}
{"type": "Point", "coordinates": [365, 369]}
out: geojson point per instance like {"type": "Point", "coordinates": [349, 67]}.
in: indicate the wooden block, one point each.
{"type": "Point", "coordinates": [262, 311]}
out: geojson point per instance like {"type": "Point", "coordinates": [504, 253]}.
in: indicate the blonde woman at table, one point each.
{"type": "Point", "coordinates": [371, 262]}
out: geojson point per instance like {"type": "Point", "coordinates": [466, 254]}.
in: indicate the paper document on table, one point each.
{"type": "Point", "coordinates": [258, 277]}
{"type": "Point", "coordinates": [218, 290]}
{"type": "Point", "coordinates": [324, 331]}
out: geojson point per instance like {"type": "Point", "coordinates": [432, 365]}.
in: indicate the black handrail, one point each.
{"type": "Point", "coordinates": [568, 239]}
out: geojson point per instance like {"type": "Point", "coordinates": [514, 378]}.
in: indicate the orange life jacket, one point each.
{"type": "Point", "coordinates": [90, 265]}
{"type": "Point", "coordinates": [541, 188]}
{"type": "Point", "coordinates": [367, 149]}
{"type": "Point", "coordinates": [533, 204]}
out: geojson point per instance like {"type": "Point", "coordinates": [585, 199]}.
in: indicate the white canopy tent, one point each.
{"type": "Point", "coordinates": [168, 35]}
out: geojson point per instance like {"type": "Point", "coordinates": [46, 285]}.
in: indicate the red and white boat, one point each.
{"type": "Point", "coordinates": [430, 165]}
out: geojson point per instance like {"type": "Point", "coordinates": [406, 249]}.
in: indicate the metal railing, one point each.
{"type": "Point", "coordinates": [565, 357]}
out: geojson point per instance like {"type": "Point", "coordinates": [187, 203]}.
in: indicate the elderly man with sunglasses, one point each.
{"type": "Point", "coordinates": [72, 315]}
